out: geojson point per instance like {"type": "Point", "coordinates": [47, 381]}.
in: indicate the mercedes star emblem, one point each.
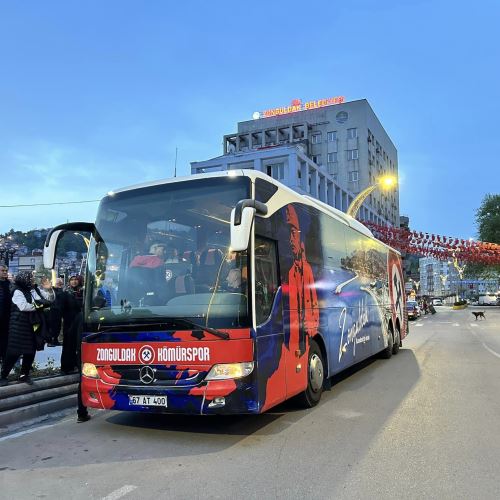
{"type": "Point", "coordinates": [147, 375]}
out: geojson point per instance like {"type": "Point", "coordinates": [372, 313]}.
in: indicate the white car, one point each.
{"type": "Point", "coordinates": [437, 302]}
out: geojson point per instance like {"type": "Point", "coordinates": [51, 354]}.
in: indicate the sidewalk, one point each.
{"type": "Point", "coordinates": [49, 393]}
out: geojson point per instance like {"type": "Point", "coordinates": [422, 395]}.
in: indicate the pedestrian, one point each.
{"type": "Point", "coordinates": [25, 320]}
{"type": "Point", "coordinates": [55, 315]}
{"type": "Point", "coordinates": [82, 412]}
{"type": "Point", "coordinates": [425, 306]}
{"type": "Point", "coordinates": [72, 301]}
{"type": "Point", "coordinates": [5, 305]}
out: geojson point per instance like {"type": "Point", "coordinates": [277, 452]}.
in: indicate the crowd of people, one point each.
{"type": "Point", "coordinates": [35, 314]}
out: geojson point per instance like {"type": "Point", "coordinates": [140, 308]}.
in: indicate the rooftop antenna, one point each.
{"type": "Point", "coordinates": [175, 165]}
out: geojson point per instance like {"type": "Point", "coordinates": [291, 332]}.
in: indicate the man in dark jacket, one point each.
{"type": "Point", "coordinates": [5, 305]}
{"type": "Point", "coordinates": [55, 315]}
{"type": "Point", "coordinates": [82, 412]}
{"type": "Point", "coordinates": [72, 301]}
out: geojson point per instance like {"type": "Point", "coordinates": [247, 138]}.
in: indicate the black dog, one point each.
{"type": "Point", "coordinates": [479, 314]}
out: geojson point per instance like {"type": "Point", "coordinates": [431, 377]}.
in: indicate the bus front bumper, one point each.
{"type": "Point", "coordinates": [209, 397]}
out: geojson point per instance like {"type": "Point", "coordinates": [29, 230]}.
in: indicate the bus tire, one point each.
{"type": "Point", "coordinates": [397, 341]}
{"type": "Point", "coordinates": [315, 377]}
{"type": "Point", "coordinates": [387, 352]}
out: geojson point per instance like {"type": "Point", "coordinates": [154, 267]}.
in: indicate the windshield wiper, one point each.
{"type": "Point", "coordinates": [192, 324]}
{"type": "Point", "coordinates": [213, 331]}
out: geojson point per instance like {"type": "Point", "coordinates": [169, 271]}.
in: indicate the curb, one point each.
{"type": "Point", "coordinates": [36, 410]}
{"type": "Point", "coordinates": [16, 389]}
{"type": "Point", "coordinates": [20, 402]}
{"type": "Point", "coordinates": [36, 397]}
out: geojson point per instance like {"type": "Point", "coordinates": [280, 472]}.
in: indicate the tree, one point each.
{"type": "Point", "coordinates": [488, 229]}
{"type": "Point", "coordinates": [488, 219]}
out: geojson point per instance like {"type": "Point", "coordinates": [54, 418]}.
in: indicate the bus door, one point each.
{"type": "Point", "coordinates": [269, 349]}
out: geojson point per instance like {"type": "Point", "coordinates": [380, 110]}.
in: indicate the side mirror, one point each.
{"type": "Point", "coordinates": [241, 222]}
{"type": "Point", "coordinates": [56, 233]}
{"type": "Point", "coordinates": [49, 250]}
{"type": "Point", "coordinates": [240, 234]}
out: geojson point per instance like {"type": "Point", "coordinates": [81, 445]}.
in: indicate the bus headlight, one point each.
{"type": "Point", "coordinates": [230, 371]}
{"type": "Point", "coordinates": [89, 370]}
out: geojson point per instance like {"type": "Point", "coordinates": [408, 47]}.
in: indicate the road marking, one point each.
{"type": "Point", "coordinates": [34, 429]}
{"type": "Point", "coordinates": [456, 324]}
{"type": "Point", "coordinates": [486, 347]}
{"type": "Point", "coordinates": [473, 325]}
{"type": "Point", "coordinates": [348, 414]}
{"type": "Point", "coordinates": [114, 495]}
{"type": "Point", "coordinates": [419, 324]}
{"type": "Point", "coordinates": [28, 431]}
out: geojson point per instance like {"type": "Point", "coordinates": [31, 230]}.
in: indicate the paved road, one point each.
{"type": "Point", "coordinates": [424, 424]}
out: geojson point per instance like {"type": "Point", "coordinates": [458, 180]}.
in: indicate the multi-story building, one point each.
{"type": "Point", "coordinates": [441, 279]}
{"type": "Point", "coordinates": [329, 149]}
{"type": "Point", "coordinates": [29, 263]}
{"type": "Point", "coordinates": [438, 278]}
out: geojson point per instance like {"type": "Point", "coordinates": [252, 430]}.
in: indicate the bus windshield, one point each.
{"type": "Point", "coordinates": [162, 252]}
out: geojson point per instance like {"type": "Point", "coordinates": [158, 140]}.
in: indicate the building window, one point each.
{"type": "Point", "coordinates": [331, 168]}
{"type": "Point", "coordinates": [353, 176]}
{"type": "Point", "coordinates": [331, 136]}
{"type": "Point", "coordinates": [341, 117]}
{"type": "Point", "coordinates": [352, 133]}
{"type": "Point", "coordinates": [276, 171]}
{"type": "Point", "coordinates": [316, 159]}
{"type": "Point", "coordinates": [316, 138]}
{"type": "Point", "coordinates": [332, 157]}
{"type": "Point", "coordinates": [352, 154]}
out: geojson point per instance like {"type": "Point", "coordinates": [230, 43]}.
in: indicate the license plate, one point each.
{"type": "Point", "coordinates": [148, 400]}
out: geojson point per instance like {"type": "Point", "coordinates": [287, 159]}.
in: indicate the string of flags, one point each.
{"type": "Point", "coordinates": [436, 246]}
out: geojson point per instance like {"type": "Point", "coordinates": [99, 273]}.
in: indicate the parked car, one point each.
{"type": "Point", "coordinates": [413, 310]}
{"type": "Point", "coordinates": [489, 299]}
{"type": "Point", "coordinates": [437, 302]}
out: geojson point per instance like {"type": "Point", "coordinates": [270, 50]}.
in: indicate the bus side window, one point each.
{"type": "Point", "coordinates": [266, 277]}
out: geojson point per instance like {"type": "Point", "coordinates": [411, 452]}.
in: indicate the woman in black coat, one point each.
{"type": "Point", "coordinates": [26, 301]}
{"type": "Point", "coordinates": [71, 306]}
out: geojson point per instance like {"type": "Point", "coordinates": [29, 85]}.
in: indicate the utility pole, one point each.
{"type": "Point", "coordinates": [175, 164]}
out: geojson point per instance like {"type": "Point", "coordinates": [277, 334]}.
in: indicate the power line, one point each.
{"type": "Point", "coordinates": [47, 204]}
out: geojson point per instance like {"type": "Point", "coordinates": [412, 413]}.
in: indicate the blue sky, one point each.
{"type": "Point", "coordinates": [97, 95]}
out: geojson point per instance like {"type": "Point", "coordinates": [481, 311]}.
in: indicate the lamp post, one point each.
{"type": "Point", "coordinates": [385, 183]}
{"type": "Point", "coordinates": [416, 284]}
{"type": "Point", "coordinates": [460, 269]}
{"type": "Point", "coordinates": [443, 277]}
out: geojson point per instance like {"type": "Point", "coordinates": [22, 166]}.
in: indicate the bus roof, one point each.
{"type": "Point", "coordinates": [291, 195]}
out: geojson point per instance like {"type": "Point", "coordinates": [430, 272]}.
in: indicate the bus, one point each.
{"type": "Point", "coordinates": [228, 293]}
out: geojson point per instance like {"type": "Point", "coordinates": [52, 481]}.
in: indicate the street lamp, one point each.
{"type": "Point", "coordinates": [385, 183]}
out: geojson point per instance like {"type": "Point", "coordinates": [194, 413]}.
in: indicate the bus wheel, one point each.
{"type": "Point", "coordinates": [397, 341]}
{"type": "Point", "coordinates": [315, 377]}
{"type": "Point", "coordinates": [387, 352]}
